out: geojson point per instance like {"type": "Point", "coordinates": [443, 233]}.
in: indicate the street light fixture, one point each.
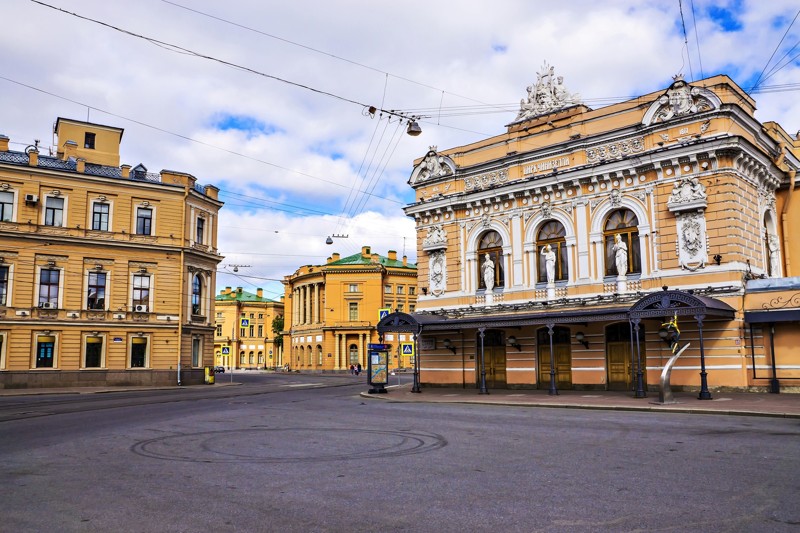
{"type": "Point", "coordinates": [449, 345]}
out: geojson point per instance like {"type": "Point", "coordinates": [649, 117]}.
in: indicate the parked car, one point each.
{"type": "Point", "coordinates": [219, 369]}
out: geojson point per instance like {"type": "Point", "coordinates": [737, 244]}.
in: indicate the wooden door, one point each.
{"type": "Point", "coordinates": [619, 365]}
{"type": "Point", "coordinates": [563, 361]}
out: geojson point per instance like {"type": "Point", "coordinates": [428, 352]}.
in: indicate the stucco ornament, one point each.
{"type": "Point", "coordinates": [433, 166]}
{"type": "Point", "coordinates": [692, 240]}
{"type": "Point", "coordinates": [436, 238]}
{"type": "Point", "coordinates": [773, 244]}
{"type": "Point", "coordinates": [548, 94]}
{"type": "Point", "coordinates": [681, 99]}
{"type": "Point", "coordinates": [547, 210]}
{"type": "Point", "coordinates": [437, 276]}
{"type": "Point", "coordinates": [687, 194]}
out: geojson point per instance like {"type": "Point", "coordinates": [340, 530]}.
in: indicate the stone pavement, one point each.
{"type": "Point", "coordinates": [784, 405]}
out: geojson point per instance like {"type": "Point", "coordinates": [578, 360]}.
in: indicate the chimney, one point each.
{"type": "Point", "coordinates": [392, 255]}
{"type": "Point", "coordinates": [226, 290]}
{"type": "Point", "coordinates": [126, 174]}
{"type": "Point", "coordinates": [260, 292]}
{"type": "Point", "coordinates": [333, 257]}
{"type": "Point", "coordinates": [405, 261]}
{"type": "Point", "coordinates": [70, 150]}
{"type": "Point", "coordinates": [238, 290]}
{"type": "Point", "coordinates": [365, 251]}
{"type": "Point", "coordinates": [3, 143]}
{"type": "Point", "coordinates": [375, 258]}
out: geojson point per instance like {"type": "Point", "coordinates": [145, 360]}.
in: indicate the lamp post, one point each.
{"type": "Point", "coordinates": [553, 389]}
{"type": "Point", "coordinates": [640, 392]}
{"type": "Point", "coordinates": [483, 389]}
{"type": "Point", "coordinates": [415, 386]}
{"type": "Point", "coordinates": [705, 394]}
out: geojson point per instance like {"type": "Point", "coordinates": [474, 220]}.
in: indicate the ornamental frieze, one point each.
{"type": "Point", "coordinates": [485, 181]}
{"type": "Point", "coordinates": [615, 150]}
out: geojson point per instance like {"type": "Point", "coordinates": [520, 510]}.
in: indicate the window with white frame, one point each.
{"type": "Point", "coordinates": [144, 221]}
{"type": "Point", "coordinates": [200, 230]}
{"type": "Point", "coordinates": [45, 351]}
{"type": "Point", "coordinates": [6, 206]}
{"type": "Point", "coordinates": [93, 352]}
{"type": "Point", "coordinates": [139, 352]}
{"type": "Point", "coordinates": [96, 290]}
{"type": "Point", "coordinates": [353, 307]}
{"type": "Point", "coordinates": [197, 352]}
{"type": "Point", "coordinates": [401, 289]}
{"type": "Point", "coordinates": [2, 349]}
{"type": "Point", "coordinates": [552, 234]}
{"type": "Point", "coordinates": [387, 289]}
{"type": "Point", "coordinates": [353, 287]}
{"type": "Point", "coordinates": [622, 222]}
{"type": "Point", "coordinates": [49, 280]}
{"type": "Point", "coordinates": [197, 295]}
{"type": "Point", "coordinates": [100, 216]}
{"type": "Point", "coordinates": [54, 211]}
{"type": "Point", "coordinates": [490, 248]}
{"type": "Point", "coordinates": [4, 284]}
{"type": "Point", "coordinates": [412, 290]}
{"type": "Point", "coordinates": [141, 289]}
{"type": "Point", "coordinates": [219, 330]}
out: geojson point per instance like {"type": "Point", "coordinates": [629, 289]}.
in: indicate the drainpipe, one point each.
{"type": "Point", "coordinates": [785, 224]}
{"type": "Point", "coordinates": [182, 309]}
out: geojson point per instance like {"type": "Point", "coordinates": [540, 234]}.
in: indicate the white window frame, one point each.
{"type": "Point", "coordinates": [90, 224]}
{"type": "Point", "coordinates": [129, 355]}
{"type": "Point", "coordinates": [3, 348]}
{"type": "Point", "coordinates": [14, 209]}
{"type": "Point", "coordinates": [86, 289]}
{"type": "Point", "coordinates": [63, 210]}
{"type": "Point", "coordinates": [197, 355]}
{"type": "Point", "coordinates": [35, 349]}
{"type": "Point", "coordinates": [38, 283]}
{"type": "Point", "coordinates": [84, 343]}
{"type": "Point", "coordinates": [153, 216]}
{"type": "Point", "coordinates": [149, 303]}
{"type": "Point", "coordinates": [9, 284]}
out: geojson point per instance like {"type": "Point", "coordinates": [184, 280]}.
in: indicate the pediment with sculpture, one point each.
{"type": "Point", "coordinates": [547, 95]}
{"type": "Point", "coordinates": [681, 100]}
{"type": "Point", "coordinates": [433, 166]}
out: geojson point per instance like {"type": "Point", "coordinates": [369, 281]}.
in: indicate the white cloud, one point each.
{"type": "Point", "coordinates": [305, 176]}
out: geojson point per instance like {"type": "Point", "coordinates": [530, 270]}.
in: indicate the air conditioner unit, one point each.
{"type": "Point", "coordinates": [140, 308]}
{"type": "Point", "coordinates": [48, 305]}
{"type": "Point", "coordinates": [31, 199]}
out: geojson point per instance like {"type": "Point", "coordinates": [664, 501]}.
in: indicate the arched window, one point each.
{"type": "Point", "coordinates": [623, 222]}
{"type": "Point", "coordinates": [492, 244]}
{"type": "Point", "coordinates": [554, 234]}
{"type": "Point", "coordinates": [197, 294]}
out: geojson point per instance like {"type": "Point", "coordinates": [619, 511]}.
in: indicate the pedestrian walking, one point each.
{"type": "Point", "coordinates": [352, 369]}
{"type": "Point", "coordinates": [358, 369]}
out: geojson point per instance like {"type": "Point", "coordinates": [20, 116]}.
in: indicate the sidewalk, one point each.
{"type": "Point", "coordinates": [784, 405]}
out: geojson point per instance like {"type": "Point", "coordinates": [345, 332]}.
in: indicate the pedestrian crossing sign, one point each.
{"type": "Point", "coordinates": [407, 348]}
{"type": "Point", "coordinates": [383, 313]}
{"type": "Point", "coordinates": [245, 322]}
{"type": "Point", "coordinates": [226, 350]}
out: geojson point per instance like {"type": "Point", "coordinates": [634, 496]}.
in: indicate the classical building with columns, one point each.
{"type": "Point", "coordinates": [331, 310]}
{"type": "Point", "coordinates": [244, 336]}
{"type": "Point", "coordinates": [582, 248]}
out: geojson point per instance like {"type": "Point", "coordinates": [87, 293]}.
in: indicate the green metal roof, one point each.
{"type": "Point", "coordinates": [243, 296]}
{"type": "Point", "coordinates": [359, 259]}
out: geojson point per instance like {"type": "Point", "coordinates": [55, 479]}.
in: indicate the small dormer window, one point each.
{"type": "Point", "coordinates": [88, 140]}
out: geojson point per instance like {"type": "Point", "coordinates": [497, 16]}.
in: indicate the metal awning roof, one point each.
{"type": "Point", "coordinates": [779, 315]}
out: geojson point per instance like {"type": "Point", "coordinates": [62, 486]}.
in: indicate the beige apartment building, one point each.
{"type": "Point", "coordinates": [107, 272]}
{"type": "Point", "coordinates": [332, 310]}
{"type": "Point", "coordinates": [244, 336]}
{"type": "Point", "coordinates": [556, 254]}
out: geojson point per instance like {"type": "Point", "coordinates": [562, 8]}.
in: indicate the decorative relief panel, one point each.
{"type": "Point", "coordinates": [692, 240]}
{"type": "Point", "coordinates": [437, 273]}
{"type": "Point", "coordinates": [436, 239]}
{"type": "Point", "coordinates": [688, 194]}
{"type": "Point", "coordinates": [615, 150]}
{"type": "Point", "coordinates": [433, 166]}
{"type": "Point", "coordinates": [681, 100]}
{"type": "Point", "coordinates": [548, 94]}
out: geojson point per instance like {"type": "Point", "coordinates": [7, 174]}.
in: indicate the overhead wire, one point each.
{"type": "Point", "coordinates": [777, 47]}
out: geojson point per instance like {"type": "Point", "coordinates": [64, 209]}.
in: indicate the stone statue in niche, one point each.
{"type": "Point", "coordinates": [774, 256]}
{"type": "Point", "coordinates": [488, 272]}
{"type": "Point", "coordinates": [549, 263]}
{"type": "Point", "coordinates": [620, 256]}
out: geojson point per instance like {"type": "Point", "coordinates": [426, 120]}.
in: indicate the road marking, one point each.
{"type": "Point", "coordinates": [301, 385]}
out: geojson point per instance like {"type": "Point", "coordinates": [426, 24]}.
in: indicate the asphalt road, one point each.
{"type": "Point", "coordinates": [286, 452]}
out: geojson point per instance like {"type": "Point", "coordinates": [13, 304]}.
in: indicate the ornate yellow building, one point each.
{"type": "Point", "coordinates": [106, 271]}
{"type": "Point", "coordinates": [332, 309]}
{"type": "Point", "coordinates": [554, 255]}
{"type": "Point", "coordinates": [244, 335]}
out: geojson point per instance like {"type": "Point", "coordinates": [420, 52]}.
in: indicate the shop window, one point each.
{"type": "Point", "coordinates": [93, 352]}
{"type": "Point", "coordinates": [45, 351]}
{"type": "Point", "coordinates": [138, 352]}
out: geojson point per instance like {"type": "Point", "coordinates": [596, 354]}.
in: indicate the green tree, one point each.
{"type": "Point", "coordinates": [277, 328]}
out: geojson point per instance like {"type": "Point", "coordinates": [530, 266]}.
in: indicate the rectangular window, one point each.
{"type": "Point", "coordinates": [100, 216]}
{"type": "Point", "coordinates": [352, 288]}
{"type": "Point", "coordinates": [6, 206]}
{"type": "Point", "coordinates": [219, 330]}
{"type": "Point", "coordinates": [144, 221]}
{"type": "Point", "coordinates": [260, 330]}
{"type": "Point", "coordinates": [412, 290]}
{"type": "Point", "coordinates": [252, 315]}
{"type": "Point", "coordinates": [201, 225]}
{"type": "Point", "coordinates": [241, 358]}
{"type": "Point", "coordinates": [141, 289]}
{"type": "Point", "coordinates": [45, 351]}
{"type": "Point", "coordinates": [48, 287]}
{"type": "Point", "coordinates": [96, 291]}
{"type": "Point", "coordinates": [400, 307]}
{"type": "Point", "coordinates": [139, 352]}
{"type": "Point", "coordinates": [260, 316]}
{"type": "Point", "coordinates": [387, 289]}
{"type": "Point", "coordinates": [252, 330]}
{"type": "Point", "coordinates": [353, 310]}
{"type": "Point", "coordinates": [401, 289]}
{"type": "Point", "coordinates": [196, 352]}
{"type": "Point", "coordinates": [54, 211]}
{"type": "Point", "coordinates": [3, 285]}
{"type": "Point", "coordinates": [88, 140]}
{"type": "Point", "coordinates": [242, 333]}
{"type": "Point", "coordinates": [94, 352]}
{"type": "Point", "coordinates": [411, 308]}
